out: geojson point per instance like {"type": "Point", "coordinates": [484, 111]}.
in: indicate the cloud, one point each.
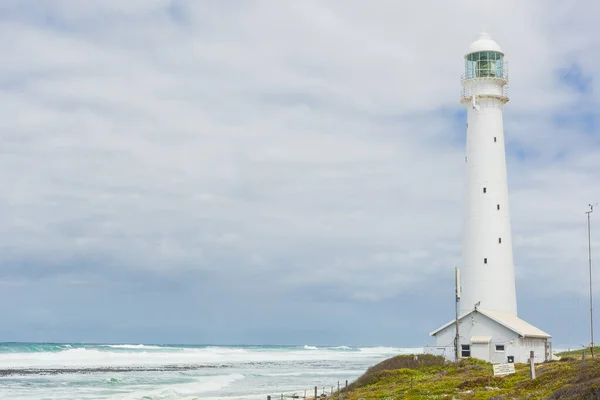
{"type": "Point", "coordinates": [243, 147]}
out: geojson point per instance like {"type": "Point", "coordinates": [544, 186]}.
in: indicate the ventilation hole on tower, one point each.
{"type": "Point", "coordinates": [499, 240]}
{"type": "Point", "coordinates": [494, 139]}
{"type": "Point", "coordinates": [485, 260]}
{"type": "Point", "coordinates": [484, 190]}
{"type": "Point", "coordinates": [497, 206]}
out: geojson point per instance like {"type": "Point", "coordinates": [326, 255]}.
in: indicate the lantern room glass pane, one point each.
{"type": "Point", "coordinates": [484, 64]}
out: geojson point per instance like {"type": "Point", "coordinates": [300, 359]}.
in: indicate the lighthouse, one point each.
{"type": "Point", "coordinates": [488, 325]}
{"type": "Point", "coordinates": [487, 270]}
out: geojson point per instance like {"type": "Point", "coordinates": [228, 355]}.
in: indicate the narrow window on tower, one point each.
{"type": "Point", "coordinates": [494, 139]}
{"type": "Point", "coordinates": [499, 240]}
{"type": "Point", "coordinates": [485, 260]}
{"type": "Point", "coordinates": [497, 206]}
{"type": "Point", "coordinates": [484, 190]}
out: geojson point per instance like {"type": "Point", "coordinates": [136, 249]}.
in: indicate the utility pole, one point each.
{"type": "Point", "coordinates": [457, 302]}
{"type": "Point", "coordinates": [590, 268]}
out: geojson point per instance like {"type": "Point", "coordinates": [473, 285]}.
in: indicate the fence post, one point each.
{"type": "Point", "coordinates": [346, 384]}
{"type": "Point", "coordinates": [315, 393]}
{"type": "Point", "coordinates": [531, 365]}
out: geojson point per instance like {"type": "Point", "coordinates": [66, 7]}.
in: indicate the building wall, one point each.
{"type": "Point", "coordinates": [477, 324]}
{"type": "Point", "coordinates": [537, 345]}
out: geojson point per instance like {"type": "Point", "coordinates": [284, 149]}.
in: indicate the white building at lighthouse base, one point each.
{"type": "Point", "coordinates": [493, 336]}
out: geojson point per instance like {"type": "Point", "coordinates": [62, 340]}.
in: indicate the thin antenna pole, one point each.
{"type": "Point", "coordinates": [590, 269]}
{"type": "Point", "coordinates": [457, 300]}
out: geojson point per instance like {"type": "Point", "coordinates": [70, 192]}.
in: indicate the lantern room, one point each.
{"type": "Point", "coordinates": [484, 64]}
{"type": "Point", "coordinates": [484, 59]}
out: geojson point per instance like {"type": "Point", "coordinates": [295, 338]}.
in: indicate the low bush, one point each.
{"type": "Point", "coordinates": [430, 377]}
{"type": "Point", "coordinates": [411, 362]}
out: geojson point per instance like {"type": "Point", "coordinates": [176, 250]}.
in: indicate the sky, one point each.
{"type": "Point", "coordinates": [260, 172]}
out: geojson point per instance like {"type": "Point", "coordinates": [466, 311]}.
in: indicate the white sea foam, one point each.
{"type": "Point", "coordinates": [87, 358]}
{"type": "Point", "coordinates": [133, 346]}
{"type": "Point", "coordinates": [312, 372]}
{"type": "Point", "coordinates": [391, 350]}
{"type": "Point", "coordinates": [189, 390]}
{"type": "Point", "coordinates": [250, 373]}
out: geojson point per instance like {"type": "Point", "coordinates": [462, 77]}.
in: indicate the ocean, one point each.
{"type": "Point", "coordinates": [163, 372]}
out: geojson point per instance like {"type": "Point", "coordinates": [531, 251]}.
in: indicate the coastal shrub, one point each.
{"type": "Point", "coordinates": [481, 382]}
{"type": "Point", "coordinates": [577, 353]}
{"type": "Point", "coordinates": [468, 364]}
{"type": "Point", "coordinates": [473, 380]}
{"type": "Point", "coordinates": [412, 361]}
{"type": "Point", "coordinates": [588, 371]}
{"type": "Point", "coordinates": [582, 391]}
{"type": "Point", "coordinates": [402, 362]}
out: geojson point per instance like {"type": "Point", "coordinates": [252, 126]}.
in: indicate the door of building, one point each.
{"type": "Point", "coordinates": [481, 351]}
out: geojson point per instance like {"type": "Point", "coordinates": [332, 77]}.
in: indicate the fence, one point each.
{"type": "Point", "coordinates": [317, 393]}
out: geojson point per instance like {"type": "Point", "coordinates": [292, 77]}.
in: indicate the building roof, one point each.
{"type": "Point", "coordinates": [484, 43]}
{"type": "Point", "coordinates": [507, 320]}
{"type": "Point", "coordinates": [515, 324]}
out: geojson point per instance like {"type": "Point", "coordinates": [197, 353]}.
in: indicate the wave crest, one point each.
{"type": "Point", "coordinates": [134, 346]}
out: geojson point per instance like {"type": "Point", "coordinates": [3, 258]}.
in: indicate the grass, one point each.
{"type": "Point", "coordinates": [577, 353]}
{"type": "Point", "coordinates": [431, 377]}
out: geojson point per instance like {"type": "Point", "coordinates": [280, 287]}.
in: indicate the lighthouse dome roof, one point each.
{"type": "Point", "coordinates": [484, 43]}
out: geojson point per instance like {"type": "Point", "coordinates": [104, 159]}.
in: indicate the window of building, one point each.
{"type": "Point", "coordinates": [497, 206]}
{"type": "Point", "coordinates": [495, 139]}
{"type": "Point", "coordinates": [485, 262]}
{"type": "Point", "coordinates": [465, 350]}
{"type": "Point", "coordinates": [484, 190]}
{"type": "Point", "coordinates": [499, 240]}
{"type": "Point", "coordinates": [499, 347]}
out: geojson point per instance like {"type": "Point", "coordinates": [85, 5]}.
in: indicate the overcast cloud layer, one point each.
{"type": "Point", "coordinates": [281, 172]}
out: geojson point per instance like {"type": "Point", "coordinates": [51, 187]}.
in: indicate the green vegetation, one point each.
{"type": "Point", "coordinates": [577, 353]}
{"type": "Point", "coordinates": [431, 377]}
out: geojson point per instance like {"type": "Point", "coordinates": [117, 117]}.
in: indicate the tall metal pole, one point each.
{"type": "Point", "coordinates": [457, 300]}
{"type": "Point", "coordinates": [590, 268]}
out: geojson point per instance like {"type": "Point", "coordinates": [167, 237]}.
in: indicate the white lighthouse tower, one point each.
{"type": "Point", "coordinates": [488, 326]}
{"type": "Point", "coordinates": [488, 277]}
